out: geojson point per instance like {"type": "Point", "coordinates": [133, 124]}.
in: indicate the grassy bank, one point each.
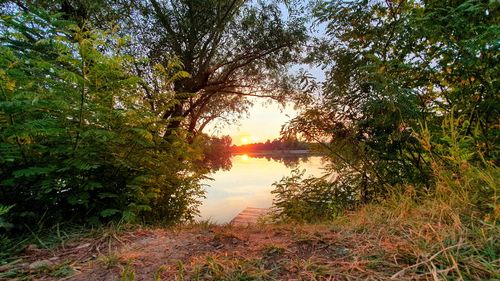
{"type": "Point", "coordinates": [398, 240]}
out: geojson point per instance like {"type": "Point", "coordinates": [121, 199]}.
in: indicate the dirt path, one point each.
{"type": "Point", "coordinates": [260, 252]}
{"type": "Point", "coordinates": [165, 253]}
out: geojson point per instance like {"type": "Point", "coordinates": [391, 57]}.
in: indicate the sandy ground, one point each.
{"type": "Point", "coordinates": [205, 253]}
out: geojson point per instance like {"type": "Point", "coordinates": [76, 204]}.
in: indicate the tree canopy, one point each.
{"type": "Point", "coordinates": [231, 49]}
{"type": "Point", "coordinates": [77, 137]}
{"type": "Point", "coordinates": [398, 70]}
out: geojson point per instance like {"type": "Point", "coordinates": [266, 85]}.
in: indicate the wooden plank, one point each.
{"type": "Point", "coordinates": [249, 215]}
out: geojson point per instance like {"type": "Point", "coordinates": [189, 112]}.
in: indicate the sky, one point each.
{"type": "Point", "coordinates": [266, 118]}
{"type": "Point", "coordinates": [264, 122]}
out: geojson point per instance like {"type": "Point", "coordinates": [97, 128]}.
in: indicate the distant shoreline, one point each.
{"type": "Point", "coordinates": [275, 152]}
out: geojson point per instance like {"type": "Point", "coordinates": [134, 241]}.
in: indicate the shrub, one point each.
{"type": "Point", "coordinates": [311, 199]}
{"type": "Point", "coordinates": [77, 140]}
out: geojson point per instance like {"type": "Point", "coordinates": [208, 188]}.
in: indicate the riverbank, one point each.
{"type": "Point", "coordinates": [395, 240]}
{"type": "Point", "coordinates": [277, 152]}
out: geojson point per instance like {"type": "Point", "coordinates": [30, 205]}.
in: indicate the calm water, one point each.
{"type": "Point", "coordinates": [249, 184]}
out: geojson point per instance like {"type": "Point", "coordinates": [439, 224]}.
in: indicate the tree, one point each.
{"type": "Point", "coordinates": [232, 49]}
{"type": "Point", "coordinates": [81, 12]}
{"type": "Point", "coordinates": [216, 152]}
{"type": "Point", "coordinates": [394, 66]}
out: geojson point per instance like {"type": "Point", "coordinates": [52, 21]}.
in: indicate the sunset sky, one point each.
{"type": "Point", "coordinates": [264, 122]}
{"type": "Point", "coordinates": [265, 119]}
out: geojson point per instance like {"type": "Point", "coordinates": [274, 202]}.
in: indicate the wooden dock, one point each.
{"type": "Point", "coordinates": [249, 216]}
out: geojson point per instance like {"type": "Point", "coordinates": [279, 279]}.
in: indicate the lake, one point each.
{"type": "Point", "coordinates": [249, 183]}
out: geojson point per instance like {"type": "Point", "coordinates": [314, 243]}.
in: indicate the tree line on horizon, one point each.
{"type": "Point", "coordinates": [272, 145]}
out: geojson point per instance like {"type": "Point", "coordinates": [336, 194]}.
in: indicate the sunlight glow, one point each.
{"type": "Point", "coordinates": [249, 139]}
{"type": "Point", "coordinates": [244, 157]}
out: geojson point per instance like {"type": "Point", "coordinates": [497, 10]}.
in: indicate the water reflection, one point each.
{"type": "Point", "coordinates": [249, 183]}
{"type": "Point", "coordinates": [244, 157]}
{"type": "Point", "coordinates": [289, 159]}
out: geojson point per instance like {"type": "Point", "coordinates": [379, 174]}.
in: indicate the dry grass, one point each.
{"type": "Point", "coordinates": [428, 241]}
{"type": "Point", "coordinates": [400, 239]}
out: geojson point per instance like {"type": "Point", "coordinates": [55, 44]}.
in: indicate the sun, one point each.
{"type": "Point", "coordinates": [248, 139]}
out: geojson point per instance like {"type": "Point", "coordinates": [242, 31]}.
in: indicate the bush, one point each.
{"type": "Point", "coordinates": [468, 186]}
{"type": "Point", "coordinates": [77, 140]}
{"type": "Point", "coordinates": [463, 177]}
{"type": "Point", "coordinates": [311, 199]}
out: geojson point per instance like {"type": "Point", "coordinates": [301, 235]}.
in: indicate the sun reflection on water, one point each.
{"type": "Point", "coordinates": [248, 184]}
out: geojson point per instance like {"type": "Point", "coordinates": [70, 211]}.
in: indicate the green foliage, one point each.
{"type": "Point", "coordinates": [460, 181]}
{"type": "Point", "coordinates": [392, 66]}
{"type": "Point", "coordinates": [127, 274]}
{"type": "Point", "coordinates": [77, 142]}
{"type": "Point", "coordinates": [4, 224]}
{"type": "Point", "coordinates": [311, 199]}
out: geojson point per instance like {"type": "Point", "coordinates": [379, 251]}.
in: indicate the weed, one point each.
{"type": "Point", "coordinates": [204, 224]}
{"type": "Point", "coordinates": [273, 250]}
{"type": "Point", "coordinates": [127, 274]}
{"type": "Point", "coordinates": [158, 272]}
{"type": "Point", "coordinates": [62, 270]}
{"type": "Point", "coordinates": [217, 268]}
{"type": "Point", "coordinates": [110, 260]}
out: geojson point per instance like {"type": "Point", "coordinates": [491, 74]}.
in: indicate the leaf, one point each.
{"type": "Point", "coordinates": [79, 199]}
{"type": "Point", "coordinates": [129, 216]}
{"type": "Point", "coordinates": [108, 212]}
{"type": "Point", "coordinates": [33, 171]}
{"type": "Point", "coordinates": [103, 195]}
{"type": "Point", "coordinates": [10, 85]}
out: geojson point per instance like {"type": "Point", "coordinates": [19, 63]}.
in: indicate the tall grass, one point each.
{"type": "Point", "coordinates": [449, 232]}
{"type": "Point", "coordinates": [438, 238]}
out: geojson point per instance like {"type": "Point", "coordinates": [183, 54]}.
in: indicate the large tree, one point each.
{"type": "Point", "coordinates": [231, 49]}
{"type": "Point", "coordinates": [394, 67]}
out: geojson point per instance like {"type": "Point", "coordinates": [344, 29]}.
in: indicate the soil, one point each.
{"type": "Point", "coordinates": [178, 253]}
